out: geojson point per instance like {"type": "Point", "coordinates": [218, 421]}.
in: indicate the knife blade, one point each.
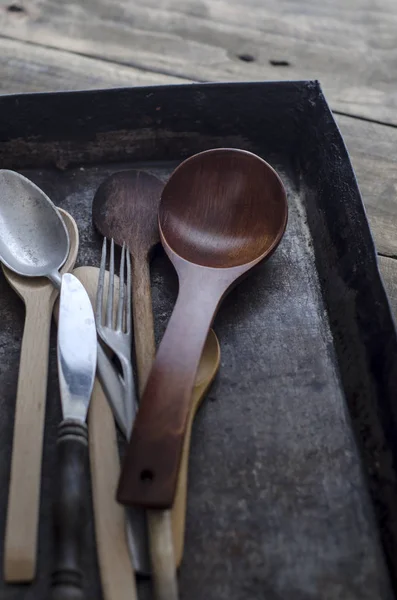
{"type": "Point", "coordinates": [77, 357]}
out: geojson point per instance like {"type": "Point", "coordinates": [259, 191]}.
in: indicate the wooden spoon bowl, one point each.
{"type": "Point", "coordinates": [222, 209]}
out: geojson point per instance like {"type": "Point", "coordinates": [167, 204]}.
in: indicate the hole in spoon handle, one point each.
{"type": "Point", "coordinates": [153, 483]}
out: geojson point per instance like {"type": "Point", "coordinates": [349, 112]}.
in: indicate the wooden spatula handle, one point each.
{"type": "Point", "coordinates": [70, 511]}
{"type": "Point", "coordinates": [20, 546]}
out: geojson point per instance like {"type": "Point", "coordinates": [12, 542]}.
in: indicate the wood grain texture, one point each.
{"type": "Point", "coordinates": [348, 46]}
{"type": "Point", "coordinates": [372, 148]}
{"type": "Point", "coordinates": [39, 295]}
{"type": "Point", "coordinates": [224, 209]}
{"type": "Point", "coordinates": [143, 319]}
{"type": "Point", "coordinates": [28, 67]}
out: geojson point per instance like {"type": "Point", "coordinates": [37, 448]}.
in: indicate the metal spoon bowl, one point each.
{"type": "Point", "coordinates": [34, 240]}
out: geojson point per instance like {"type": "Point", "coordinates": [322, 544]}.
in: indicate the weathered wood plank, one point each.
{"type": "Point", "coordinates": [373, 150]}
{"type": "Point", "coordinates": [350, 46]}
{"type": "Point", "coordinates": [388, 268]}
{"type": "Point", "coordinates": [30, 68]}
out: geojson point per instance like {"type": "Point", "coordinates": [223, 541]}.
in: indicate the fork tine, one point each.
{"type": "Point", "coordinates": [109, 307]}
{"type": "Point", "coordinates": [120, 308]}
{"type": "Point", "coordinates": [101, 283]}
{"type": "Point", "coordinates": [128, 310]}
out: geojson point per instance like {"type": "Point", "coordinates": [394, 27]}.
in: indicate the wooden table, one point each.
{"type": "Point", "coordinates": [349, 46]}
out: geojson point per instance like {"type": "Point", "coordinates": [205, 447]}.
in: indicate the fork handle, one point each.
{"type": "Point", "coordinates": [69, 511]}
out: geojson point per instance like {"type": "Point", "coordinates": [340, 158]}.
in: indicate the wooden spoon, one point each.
{"type": "Point", "coordinates": [125, 208]}
{"type": "Point", "coordinates": [221, 212]}
{"type": "Point", "coordinates": [39, 295]}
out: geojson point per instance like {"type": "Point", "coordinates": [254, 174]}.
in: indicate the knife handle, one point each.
{"type": "Point", "coordinates": [69, 510]}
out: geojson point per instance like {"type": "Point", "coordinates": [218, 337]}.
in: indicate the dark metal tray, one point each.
{"type": "Point", "coordinates": [292, 490]}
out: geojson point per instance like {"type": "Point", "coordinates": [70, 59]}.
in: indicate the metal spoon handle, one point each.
{"type": "Point", "coordinates": [69, 511]}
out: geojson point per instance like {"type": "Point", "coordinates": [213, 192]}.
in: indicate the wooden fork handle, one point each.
{"type": "Point", "coordinates": [69, 511]}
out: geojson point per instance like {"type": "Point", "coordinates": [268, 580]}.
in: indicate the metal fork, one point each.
{"type": "Point", "coordinates": [117, 334]}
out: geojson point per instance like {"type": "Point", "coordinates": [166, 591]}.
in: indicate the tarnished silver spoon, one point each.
{"type": "Point", "coordinates": [34, 241]}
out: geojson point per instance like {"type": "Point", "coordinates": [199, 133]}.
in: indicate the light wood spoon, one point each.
{"type": "Point", "coordinates": [117, 574]}
{"type": "Point", "coordinates": [221, 213]}
{"type": "Point", "coordinates": [38, 295]}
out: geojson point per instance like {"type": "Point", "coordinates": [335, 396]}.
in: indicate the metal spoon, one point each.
{"type": "Point", "coordinates": [34, 241]}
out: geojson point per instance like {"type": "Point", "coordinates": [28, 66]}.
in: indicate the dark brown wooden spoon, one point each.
{"type": "Point", "coordinates": [125, 209]}
{"type": "Point", "coordinates": [222, 212]}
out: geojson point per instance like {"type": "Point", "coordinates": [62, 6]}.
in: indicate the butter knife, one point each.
{"type": "Point", "coordinates": [77, 357]}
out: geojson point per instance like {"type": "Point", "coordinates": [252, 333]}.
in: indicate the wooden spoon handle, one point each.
{"type": "Point", "coordinates": [151, 465]}
{"type": "Point", "coordinates": [116, 569]}
{"type": "Point", "coordinates": [70, 511]}
{"type": "Point", "coordinates": [24, 492]}
{"type": "Point", "coordinates": [161, 546]}
{"type": "Point", "coordinates": [145, 348]}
